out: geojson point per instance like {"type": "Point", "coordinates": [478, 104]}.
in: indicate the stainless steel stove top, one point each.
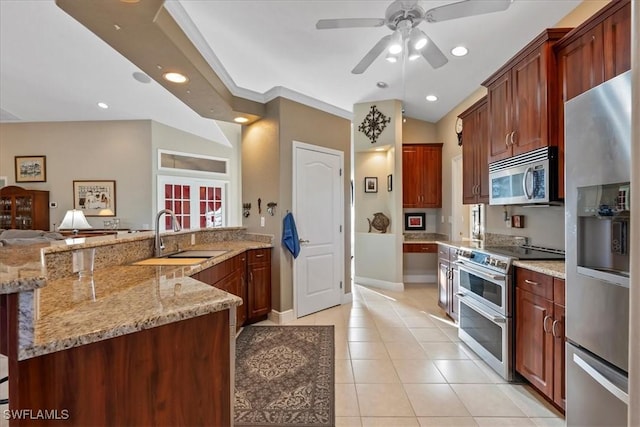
{"type": "Point", "coordinates": [500, 258]}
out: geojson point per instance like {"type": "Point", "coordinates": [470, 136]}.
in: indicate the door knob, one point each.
{"type": "Point", "coordinates": [301, 241]}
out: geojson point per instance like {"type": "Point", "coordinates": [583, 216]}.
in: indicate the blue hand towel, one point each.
{"type": "Point", "coordinates": [290, 235]}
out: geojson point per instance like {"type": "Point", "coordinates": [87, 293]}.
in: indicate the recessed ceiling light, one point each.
{"type": "Point", "coordinates": [379, 149]}
{"type": "Point", "coordinates": [175, 77]}
{"type": "Point", "coordinates": [459, 51]}
{"type": "Point", "coordinates": [103, 105]}
{"type": "Point", "coordinates": [432, 98]}
{"type": "Point", "coordinates": [382, 85]}
{"type": "Point", "coordinates": [241, 120]}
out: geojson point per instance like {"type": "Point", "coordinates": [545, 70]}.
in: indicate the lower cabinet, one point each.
{"type": "Point", "coordinates": [447, 281]}
{"type": "Point", "coordinates": [248, 276]}
{"type": "Point", "coordinates": [540, 339]}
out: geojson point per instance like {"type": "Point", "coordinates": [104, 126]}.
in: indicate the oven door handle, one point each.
{"type": "Point", "coordinates": [528, 172]}
{"type": "Point", "coordinates": [480, 311]}
{"type": "Point", "coordinates": [479, 273]}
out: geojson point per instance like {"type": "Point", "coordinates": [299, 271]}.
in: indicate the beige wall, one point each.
{"type": "Point", "coordinates": [267, 147]}
{"type": "Point", "coordinates": [418, 132]}
{"type": "Point", "coordinates": [124, 151]}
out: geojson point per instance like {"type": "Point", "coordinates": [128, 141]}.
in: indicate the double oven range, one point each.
{"type": "Point", "coordinates": [486, 297]}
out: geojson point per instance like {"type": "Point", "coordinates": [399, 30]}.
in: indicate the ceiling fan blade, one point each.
{"type": "Point", "coordinates": [326, 24]}
{"type": "Point", "coordinates": [433, 54]}
{"type": "Point", "coordinates": [371, 55]}
{"type": "Point", "coordinates": [465, 8]}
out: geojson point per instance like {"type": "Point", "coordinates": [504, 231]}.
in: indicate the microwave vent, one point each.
{"type": "Point", "coordinates": [540, 154]}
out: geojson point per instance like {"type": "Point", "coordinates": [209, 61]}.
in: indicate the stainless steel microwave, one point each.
{"type": "Point", "coordinates": [525, 179]}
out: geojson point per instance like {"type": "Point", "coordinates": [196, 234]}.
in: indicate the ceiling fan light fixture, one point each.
{"type": "Point", "coordinates": [459, 51]}
{"type": "Point", "coordinates": [417, 39]}
{"type": "Point", "coordinates": [392, 57]}
{"type": "Point", "coordinates": [395, 44]}
{"type": "Point", "coordinates": [413, 53]}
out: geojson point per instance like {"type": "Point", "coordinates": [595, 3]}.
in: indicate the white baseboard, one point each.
{"type": "Point", "coordinates": [282, 318]}
{"type": "Point", "coordinates": [420, 278]}
{"type": "Point", "coordinates": [383, 284]}
{"type": "Point", "coordinates": [346, 298]}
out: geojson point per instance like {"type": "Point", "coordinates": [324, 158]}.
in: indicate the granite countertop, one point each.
{"type": "Point", "coordinates": [21, 268]}
{"type": "Point", "coordinates": [119, 300]}
{"type": "Point", "coordinates": [469, 244]}
{"type": "Point", "coordinates": [418, 238]}
{"type": "Point", "coordinates": [551, 268]}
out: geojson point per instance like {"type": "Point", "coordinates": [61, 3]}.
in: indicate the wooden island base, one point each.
{"type": "Point", "coordinates": [173, 375]}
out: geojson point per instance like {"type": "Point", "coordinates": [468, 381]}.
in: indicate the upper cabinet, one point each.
{"type": "Point", "coordinates": [592, 53]}
{"type": "Point", "coordinates": [523, 99]}
{"type": "Point", "coordinates": [422, 175]}
{"type": "Point", "coordinates": [475, 167]}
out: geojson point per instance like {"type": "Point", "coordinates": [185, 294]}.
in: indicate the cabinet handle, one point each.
{"type": "Point", "coordinates": [544, 324]}
{"type": "Point", "coordinates": [553, 329]}
{"type": "Point", "coordinates": [506, 140]}
{"type": "Point", "coordinates": [531, 282]}
{"type": "Point", "coordinates": [261, 255]}
{"type": "Point", "coordinates": [511, 138]}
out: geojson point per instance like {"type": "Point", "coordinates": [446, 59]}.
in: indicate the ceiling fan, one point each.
{"type": "Point", "coordinates": [403, 18]}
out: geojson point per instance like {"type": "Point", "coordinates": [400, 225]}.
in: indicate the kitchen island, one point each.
{"type": "Point", "coordinates": [131, 345]}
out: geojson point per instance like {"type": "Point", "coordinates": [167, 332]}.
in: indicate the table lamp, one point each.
{"type": "Point", "coordinates": [74, 220]}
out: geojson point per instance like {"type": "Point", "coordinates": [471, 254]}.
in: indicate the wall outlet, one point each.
{"type": "Point", "coordinates": [508, 223]}
{"type": "Point", "coordinates": [443, 219]}
{"type": "Point", "coordinates": [262, 221]}
{"type": "Point", "coordinates": [193, 239]}
{"type": "Point", "coordinates": [53, 205]}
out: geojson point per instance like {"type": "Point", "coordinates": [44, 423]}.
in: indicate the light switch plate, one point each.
{"type": "Point", "coordinates": [262, 221]}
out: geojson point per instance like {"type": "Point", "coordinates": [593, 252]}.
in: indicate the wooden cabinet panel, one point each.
{"type": "Point", "coordinates": [475, 161]}
{"type": "Point", "coordinates": [534, 341]}
{"type": "Point", "coordinates": [500, 125]}
{"type": "Point", "coordinates": [24, 209]}
{"type": "Point", "coordinates": [617, 42]}
{"type": "Point", "coordinates": [559, 291]}
{"type": "Point", "coordinates": [422, 175]}
{"type": "Point", "coordinates": [559, 340]}
{"type": "Point", "coordinates": [581, 63]}
{"type": "Point", "coordinates": [258, 285]}
{"type": "Point", "coordinates": [419, 248]}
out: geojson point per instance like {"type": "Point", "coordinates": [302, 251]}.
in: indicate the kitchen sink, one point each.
{"type": "Point", "coordinates": [197, 254]}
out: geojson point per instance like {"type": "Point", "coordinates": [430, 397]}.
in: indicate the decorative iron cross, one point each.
{"type": "Point", "coordinates": [373, 124]}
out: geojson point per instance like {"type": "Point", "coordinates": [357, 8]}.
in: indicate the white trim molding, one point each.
{"type": "Point", "coordinates": [282, 318]}
{"type": "Point", "coordinates": [382, 284]}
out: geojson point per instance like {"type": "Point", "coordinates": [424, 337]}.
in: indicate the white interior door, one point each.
{"type": "Point", "coordinates": [318, 197]}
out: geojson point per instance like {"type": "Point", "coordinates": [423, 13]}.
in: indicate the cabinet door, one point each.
{"type": "Point", "coordinates": [259, 290]}
{"type": "Point", "coordinates": [234, 284]}
{"type": "Point", "coordinates": [481, 147]}
{"type": "Point", "coordinates": [431, 177]}
{"type": "Point", "coordinates": [559, 340]}
{"type": "Point", "coordinates": [534, 341]}
{"type": "Point", "coordinates": [411, 176]}
{"type": "Point", "coordinates": [500, 125]}
{"type": "Point", "coordinates": [581, 64]}
{"type": "Point", "coordinates": [617, 42]}
{"type": "Point", "coordinates": [443, 284]}
{"type": "Point", "coordinates": [470, 139]}
{"type": "Point", "coordinates": [529, 103]}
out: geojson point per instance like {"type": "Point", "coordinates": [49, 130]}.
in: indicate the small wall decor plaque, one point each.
{"type": "Point", "coordinates": [373, 124]}
{"type": "Point", "coordinates": [414, 221]}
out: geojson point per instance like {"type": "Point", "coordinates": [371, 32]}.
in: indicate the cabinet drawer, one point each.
{"type": "Point", "coordinates": [259, 255]}
{"type": "Point", "coordinates": [444, 252]}
{"type": "Point", "coordinates": [534, 282]}
{"type": "Point", "coordinates": [558, 291]}
{"type": "Point", "coordinates": [420, 247]}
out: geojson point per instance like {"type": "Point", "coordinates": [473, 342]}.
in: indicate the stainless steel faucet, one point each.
{"type": "Point", "coordinates": [159, 245]}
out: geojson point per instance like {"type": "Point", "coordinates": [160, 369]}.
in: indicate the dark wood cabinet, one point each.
{"type": "Point", "coordinates": [258, 285]}
{"type": "Point", "coordinates": [597, 50]}
{"type": "Point", "coordinates": [447, 281]}
{"type": "Point", "coordinates": [24, 209]}
{"type": "Point", "coordinates": [523, 99]}
{"type": "Point", "coordinates": [426, 248]}
{"type": "Point", "coordinates": [422, 175]}
{"type": "Point", "coordinates": [540, 338]}
{"type": "Point", "coordinates": [475, 159]}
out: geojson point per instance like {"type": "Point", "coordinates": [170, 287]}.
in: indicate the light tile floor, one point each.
{"type": "Point", "coordinates": [399, 363]}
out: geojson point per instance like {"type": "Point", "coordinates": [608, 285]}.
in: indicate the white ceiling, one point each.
{"type": "Point", "coordinates": [53, 69]}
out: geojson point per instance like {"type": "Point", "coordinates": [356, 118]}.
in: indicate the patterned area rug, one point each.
{"type": "Point", "coordinates": [285, 376]}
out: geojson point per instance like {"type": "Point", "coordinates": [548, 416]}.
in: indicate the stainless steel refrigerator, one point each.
{"type": "Point", "coordinates": [597, 218]}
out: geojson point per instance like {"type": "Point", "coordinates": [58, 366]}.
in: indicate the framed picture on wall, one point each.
{"type": "Point", "coordinates": [370, 184]}
{"type": "Point", "coordinates": [414, 221]}
{"type": "Point", "coordinates": [95, 198]}
{"type": "Point", "coordinates": [31, 168]}
{"type": "Point", "coordinates": [389, 182]}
